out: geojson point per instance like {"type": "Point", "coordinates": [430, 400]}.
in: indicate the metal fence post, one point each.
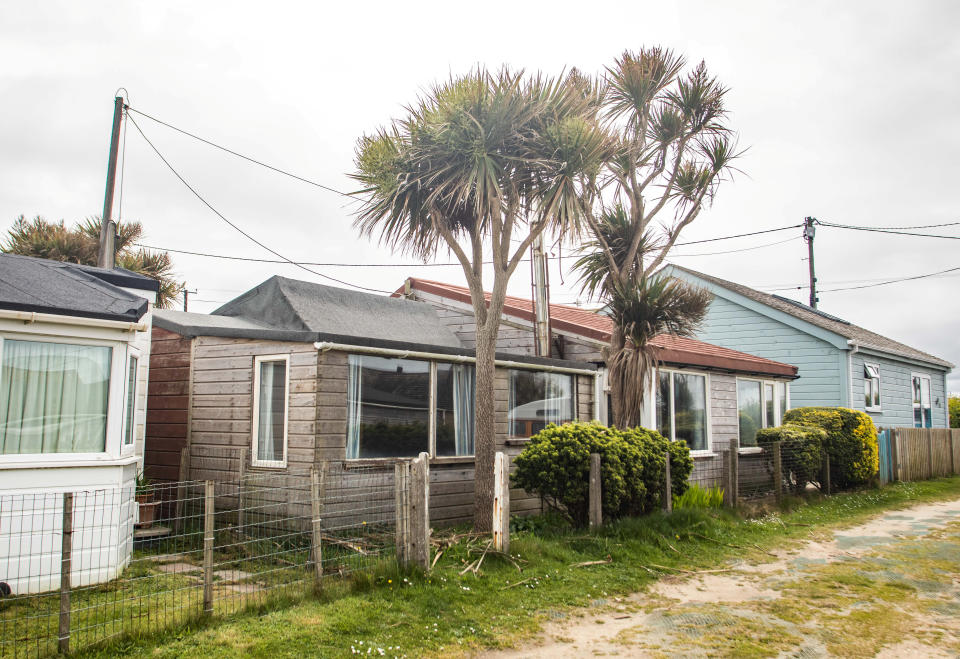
{"type": "Point", "coordinates": [241, 491]}
{"type": "Point", "coordinates": [725, 477]}
{"type": "Point", "coordinates": [420, 510]}
{"type": "Point", "coordinates": [315, 523]}
{"type": "Point", "coordinates": [66, 567]}
{"type": "Point", "coordinates": [734, 472]}
{"type": "Point", "coordinates": [595, 492]}
{"type": "Point", "coordinates": [401, 473]}
{"type": "Point", "coordinates": [777, 471]}
{"type": "Point", "coordinates": [208, 529]}
{"type": "Point", "coordinates": [501, 502]}
{"type": "Point", "coordinates": [668, 486]}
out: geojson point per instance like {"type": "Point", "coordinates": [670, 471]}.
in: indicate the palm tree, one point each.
{"type": "Point", "coordinates": [673, 148]}
{"type": "Point", "coordinates": [479, 163]}
{"type": "Point", "coordinates": [80, 244]}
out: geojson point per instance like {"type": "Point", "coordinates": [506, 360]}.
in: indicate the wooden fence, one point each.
{"type": "Point", "coordinates": [921, 453]}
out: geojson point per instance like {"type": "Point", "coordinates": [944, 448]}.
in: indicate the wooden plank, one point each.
{"type": "Point", "coordinates": [208, 538]}
{"type": "Point", "coordinates": [501, 502]}
{"type": "Point", "coordinates": [595, 502]}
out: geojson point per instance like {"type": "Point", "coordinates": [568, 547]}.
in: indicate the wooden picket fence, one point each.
{"type": "Point", "coordinates": [921, 453]}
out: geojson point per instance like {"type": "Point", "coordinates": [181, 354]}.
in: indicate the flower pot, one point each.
{"type": "Point", "coordinates": [148, 511]}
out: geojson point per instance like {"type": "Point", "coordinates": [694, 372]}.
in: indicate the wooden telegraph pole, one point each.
{"type": "Point", "coordinates": [108, 228]}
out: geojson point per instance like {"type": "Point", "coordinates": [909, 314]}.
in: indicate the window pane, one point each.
{"type": "Point", "coordinates": [131, 402]}
{"type": "Point", "coordinates": [388, 407]}
{"type": "Point", "coordinates": [538, 398]}
{"type": "Point", "coordinates": [455, 396]}
{"type": "Point", "coordinates": [769, 404]}
{"type": "Point", "coordinates": [748, 411]}
{"type": "Point", "coordinates": [868, 392]}
{"type": "Point", "coordinates": [271, 401]}
{"type": "Point", "coordinates": [663, 403]}
{"type": "Point", "coordinates": [782, 392]}
{"type": "Point", "coordinates": [690, 410]}
{"type": "Point", "coordinates": [53, 397]}
{"type": "Point", "coordinates": [876, 392]}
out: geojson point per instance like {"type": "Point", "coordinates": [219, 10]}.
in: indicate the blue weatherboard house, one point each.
{"type": "Point", "coordinates": [840, 364]}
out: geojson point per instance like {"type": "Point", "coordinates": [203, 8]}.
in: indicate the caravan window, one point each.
{"type": "Point", "coordinates": [271, 382]}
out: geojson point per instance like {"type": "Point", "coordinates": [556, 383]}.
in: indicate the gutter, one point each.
{"type": "Point", "coordinates": [30, 317]}
{"type": "Point", "coordinates": [324, 346]}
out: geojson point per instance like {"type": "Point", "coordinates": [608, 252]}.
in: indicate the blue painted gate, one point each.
{"type": "Point", "coordinates": [886, 459]}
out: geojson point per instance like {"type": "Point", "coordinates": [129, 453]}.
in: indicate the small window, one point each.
{"type": "Point", "coordinates": [271, 380]}
{"type": "Point", "coordinates": [922, 410]}
{"type": "Point", "coordinates": [53, 397]}
{"type": "Point", "coordinates": [871, 387]}
{"type": "Point", "coordinates": [759, 405]}
{"type": "Point", "coordinates": [536, 399]}
{"type": "Point", "coordinates": [682, 408]}
{"type": "Point", "coordinates": [131, 402]}
{"type": "Point", "coordinates": [455, 403]}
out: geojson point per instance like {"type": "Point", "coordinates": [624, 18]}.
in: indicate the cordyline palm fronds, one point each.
{"type": "Point", "coordinates": [53, 240]}
{"type": "Point", "coordinates": [673, 148]}
{"type": "Point", "coordinates": [479, 162]}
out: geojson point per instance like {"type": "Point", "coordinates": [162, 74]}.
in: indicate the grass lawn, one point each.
{"type": "Point", "coordinates": [444, 612]}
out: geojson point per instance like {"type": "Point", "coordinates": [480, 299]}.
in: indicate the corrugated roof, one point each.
{"type": "Point", "coordinates": [66, 289]}
{"type": "Point", "coordinates": [862, 336]}
{"type": "Point", "coordinates": [593, 325]}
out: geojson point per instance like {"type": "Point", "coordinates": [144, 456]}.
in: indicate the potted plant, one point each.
{"type": "Point", "coordinates": [147, 506]}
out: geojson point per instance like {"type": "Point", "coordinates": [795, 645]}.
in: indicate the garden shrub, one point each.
{"type": "Point", "coordinates": [800, 450]}
{"type": "Point", "coordinates": [851, 442]}
{"type": "Point", "coordinates": [954, 411]}
{"type": "Point", "coordinates": [556, 465]}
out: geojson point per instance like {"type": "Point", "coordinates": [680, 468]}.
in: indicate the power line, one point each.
{"type": "Point", "coordinates": [241, 231]}
{"type": "Point", "coordinates": [240, 155]}
{"type": "Point", "coordinates": [918, 226]}
{"type": "Point", "coordinates": [739, 235]}
{"type": "Point", "coordinates": [891, 231]}
{"type": "Point", "coordinates": [733, 251]}
{"type": "Point", "coordinates": [877, 282]}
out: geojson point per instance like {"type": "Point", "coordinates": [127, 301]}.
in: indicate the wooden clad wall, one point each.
{"type": "Point", "coordinates": [168, 392]}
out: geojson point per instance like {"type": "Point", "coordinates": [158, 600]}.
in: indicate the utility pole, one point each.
{"type": "Point", "coordinates": [541, 298]}
{"type": "Point", "coordinates": [809, 231]}
{"type": "Point", "coordinates": [186, 296]}
{"type": "Point", "coordinates": [108, 228]}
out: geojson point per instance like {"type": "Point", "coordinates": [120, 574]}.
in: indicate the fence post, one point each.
{"type": "Point", "coordinates": [826, 473]}
{"type": "Point", "coordinates": [315, 524]}
{"type": "Point", "coordinates": [66, 567]}
{"type": "Point", "coordinates": [668, 486]}
{"type": "Point", "coordinates": [595, 492]}
{"type": "Point", "coordinates": [208, 529]}
{"type": "Point", "coordinates": [725, 476]}
{"type": "Point", "coordinates": [894, 454]}
{"type": "Point", "coordinates": [734, 472]}
{"type": "Point", "coordinates": [401, 476]}
{"type": "Point", "coordinates": [501, 502]}
{"type": "Point", "coordinates": [777, 471]}
{"type": "Point", "coordinates": [241, 491]}
{"type": "Point", "coordinates": [420, 510]}
{"type": "Point", "coordinates": [183, 476]}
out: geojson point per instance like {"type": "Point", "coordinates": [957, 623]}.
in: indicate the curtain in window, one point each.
{"type": "Point", "coordinates": [463, 397]}
{"type": "Point", "coordinates": [354, 406]}
{"type": "Point", "coordinates": [129, 420]}
{"type": "Point", "coordinates": [273, 396]}
{"type": "Point", "coordinates": [53, 397]}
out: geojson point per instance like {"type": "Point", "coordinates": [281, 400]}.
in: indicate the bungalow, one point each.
{"type": "Point", "coordinates": [707, 395]}
{"type": "Point", "coordinates": [291, 373]}
{"type": "Point", "coordinates": [840, 364]}
{"type": "Point", "coordinates": [74, 348]}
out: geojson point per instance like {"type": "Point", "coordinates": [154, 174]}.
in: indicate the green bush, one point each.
{"type": "Point", "coordinates": [698, 497]}
{"type": "Point", "coordinates": [955, 411]}
{"type": "Point", "coordinates": [800, 450]}
{"type": "Point", "coordinates": [851, 442]}
{"type": "Point", "coordinates": [556, 465]}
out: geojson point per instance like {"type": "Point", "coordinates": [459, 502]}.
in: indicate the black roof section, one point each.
{"type": "Point", "coordinates": [293, 305]}
{"type": "Point", "coordinates": [68, 289]}
{"type": "Point", "coordinates": [123, 277]}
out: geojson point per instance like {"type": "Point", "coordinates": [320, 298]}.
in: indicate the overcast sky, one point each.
{"type": "Point", "coordinates": [849, 110]}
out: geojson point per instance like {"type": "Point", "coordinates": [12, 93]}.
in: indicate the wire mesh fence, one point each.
{"type": "Point", "coordinates": [80, 568]}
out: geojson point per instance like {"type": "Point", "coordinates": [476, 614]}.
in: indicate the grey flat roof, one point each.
{"type": "Point", "coordinates": [67, 289]}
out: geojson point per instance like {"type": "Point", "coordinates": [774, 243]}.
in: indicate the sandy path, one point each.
{"type": "Point", "coordinates": [748, 607]}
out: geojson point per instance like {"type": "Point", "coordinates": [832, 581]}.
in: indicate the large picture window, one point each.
{"type": "Point", "coordinates": [53, 397]}
{"type": "Point", "coordinates": [271, 381]}
{"type": "Point", "coordinates": [759, 405]}
{"type": "Point", "coordinates": [388, 407]}
{"type": "Point", "coordinates": [682, 408]}
{"type": "Point", "coordinates": [538, 398]}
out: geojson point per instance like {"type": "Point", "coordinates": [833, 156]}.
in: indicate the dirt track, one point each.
{"type": "Point", "coordinates": [889, 587]}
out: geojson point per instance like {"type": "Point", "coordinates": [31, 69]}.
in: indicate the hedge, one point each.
{"type": "Point", "coordinates": [801, 452]}
{"type": "Point", "coordinates": [851, 442]}
{"type": "Point", "coordinates": [556, 465]}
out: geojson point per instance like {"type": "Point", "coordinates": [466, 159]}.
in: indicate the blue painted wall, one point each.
{"type": "Point", "coordinates": [896, 400]}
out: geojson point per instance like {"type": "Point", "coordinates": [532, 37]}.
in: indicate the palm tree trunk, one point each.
{"type": "Point", "coordinates": [485, 437]}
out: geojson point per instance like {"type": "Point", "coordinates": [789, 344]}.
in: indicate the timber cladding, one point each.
{"type": "Point", "coordinates": [168, 395]}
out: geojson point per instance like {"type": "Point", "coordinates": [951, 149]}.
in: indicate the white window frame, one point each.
{"type": "Point", "coordinates": [868, 383]}
{"type": "Point", "coordinates": [255, 460]}
{"type": "Point", "coordinates": [113, 442]}
{"type": "Point", "coordinates": [914, 405]}
{"type": "Point", "coordinates": [778, 416]}
{"type": "Point", "coordinates": [709, 423]}
{"type": "Point", "coordinates": [125, 449]}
